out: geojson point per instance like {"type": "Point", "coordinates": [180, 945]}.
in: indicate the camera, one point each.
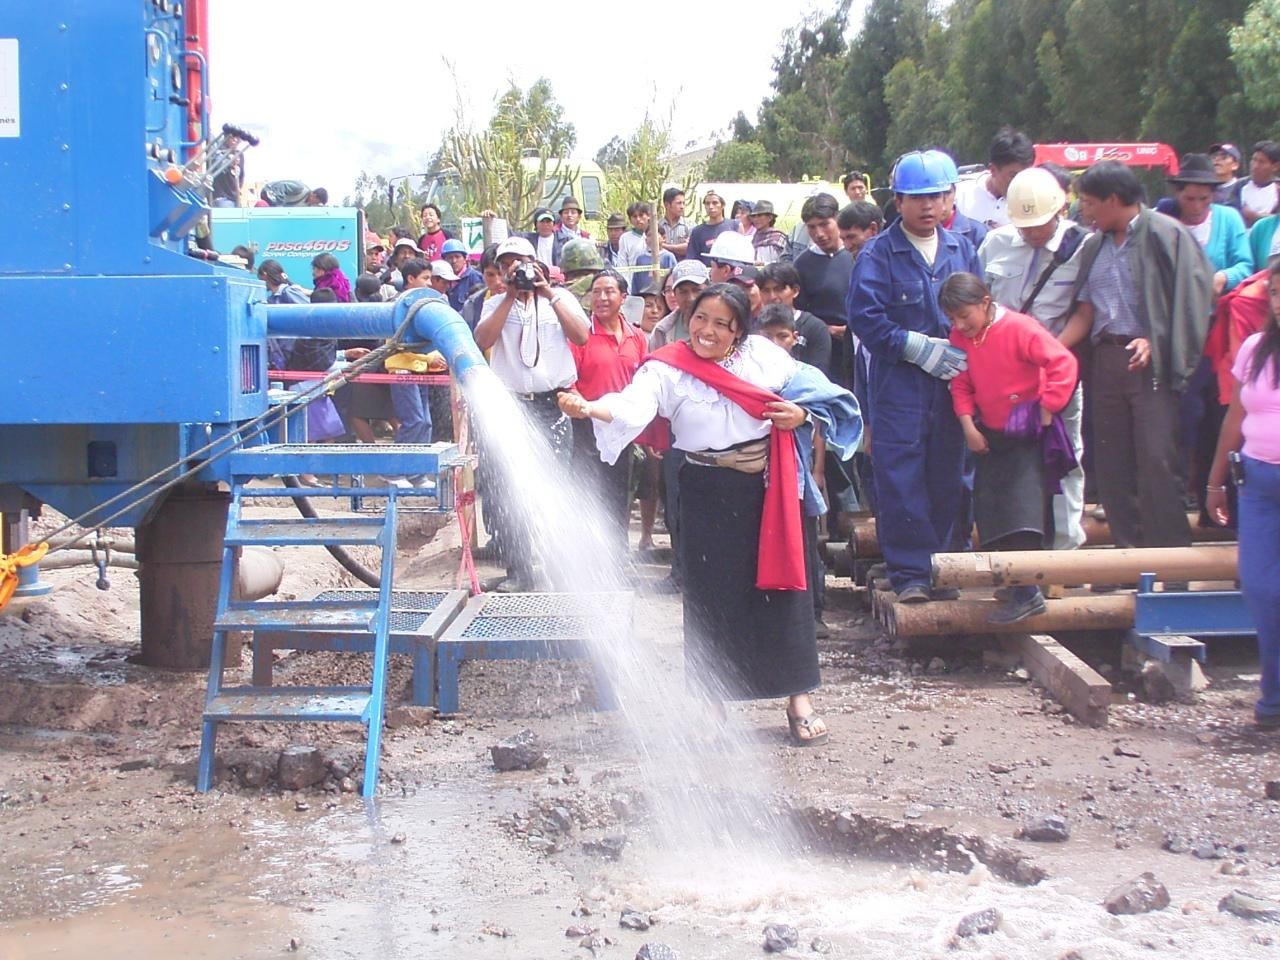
{"type": "Point", "coordinates": [525, 276]}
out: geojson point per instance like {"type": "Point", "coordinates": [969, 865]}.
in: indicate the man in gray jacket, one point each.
{"type": "Point", "coordinates": [1144, 298]}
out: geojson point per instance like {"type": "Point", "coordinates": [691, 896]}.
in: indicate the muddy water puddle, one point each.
{"type": "Point", "coordinates": [435, 875]}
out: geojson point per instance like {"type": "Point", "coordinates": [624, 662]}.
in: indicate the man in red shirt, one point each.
{"type": "Point", "coordinates": [606, 363]}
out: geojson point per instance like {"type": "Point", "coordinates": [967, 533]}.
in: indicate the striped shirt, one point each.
{"type": "Point", "coordinates": [1110, 287]}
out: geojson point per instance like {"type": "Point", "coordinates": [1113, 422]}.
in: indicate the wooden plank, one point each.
{"type": "Point", "coordinates": [1071, 681]}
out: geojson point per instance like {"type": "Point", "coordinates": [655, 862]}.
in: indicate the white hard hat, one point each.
{"type": "Point", "coordinates": [514, 245]}
{"type": "Point", "coordinates": [1034, 198]}
{"type": "Point", "coordinates": [733, 247]}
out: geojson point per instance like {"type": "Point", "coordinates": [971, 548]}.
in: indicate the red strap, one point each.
{"type": "Point", "coordinates": [780, 560]}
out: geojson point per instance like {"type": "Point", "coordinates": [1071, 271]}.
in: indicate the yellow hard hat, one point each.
{"type": "Point", "coordinates": [1034, 198]}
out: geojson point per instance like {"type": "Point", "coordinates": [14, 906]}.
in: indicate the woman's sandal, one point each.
{"type": "Point", "coordinates": [810, 738]}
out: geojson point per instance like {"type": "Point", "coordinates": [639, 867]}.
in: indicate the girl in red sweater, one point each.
{"type": "Point", "coordinates": [1018, 377]}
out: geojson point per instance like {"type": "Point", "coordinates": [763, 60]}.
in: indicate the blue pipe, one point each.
{"type": "Point", "coordinates": [434, 322]}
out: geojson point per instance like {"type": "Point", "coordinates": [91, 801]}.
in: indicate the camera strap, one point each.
{"type": "Point", "coordinates": [530, 342]}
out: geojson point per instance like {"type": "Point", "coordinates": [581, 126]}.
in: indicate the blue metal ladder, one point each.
{"type": "Point", "coordinates": [361, 615]}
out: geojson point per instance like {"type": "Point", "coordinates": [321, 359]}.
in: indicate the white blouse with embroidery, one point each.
{"type": "Point", "coordinates": [701, 418]}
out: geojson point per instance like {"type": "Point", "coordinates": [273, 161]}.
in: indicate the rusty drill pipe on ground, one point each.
{"type": "Point", "coordinates": [1118, 566]}
{"type": "Point", "coordinates": [865, 543]}
{"type": "Point", "coordinates": [940, 618]}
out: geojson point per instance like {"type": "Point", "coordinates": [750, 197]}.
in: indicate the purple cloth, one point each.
{"type": "Point", "coordinates": [1057, 454]}
{"type": "Point", "coordinates": [336, 281]}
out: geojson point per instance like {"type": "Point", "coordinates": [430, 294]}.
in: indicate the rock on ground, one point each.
{"type": "Point", "coordinates": [521, 752]}
{"type": "Point", "coordinates": [1249, 906]}
{"type": "Point", "coordinates": [982, 922]}
{"type": "Point", "coordinates": [1049, 828]}
{"type": "Point", "coordinates": [780, 937]}
{"type": "Point", "coordinates": [300, 767]}
{"type": "Point", "coordinates": [656, 951]}
{"type": "Point", "coordinates": [1140, 895]}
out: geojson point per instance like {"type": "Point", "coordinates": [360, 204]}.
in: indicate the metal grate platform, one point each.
{"type": "Point", "coordinates": [417, 618]}
{"type": "Point", "coordinates": [530, 626]}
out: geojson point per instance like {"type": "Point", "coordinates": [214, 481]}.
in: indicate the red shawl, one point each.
{"type": "Point", "coordinates": [780, 561]}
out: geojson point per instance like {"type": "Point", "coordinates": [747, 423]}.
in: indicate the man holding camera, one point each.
{"type": "Point", "coordinates": [528, 329]}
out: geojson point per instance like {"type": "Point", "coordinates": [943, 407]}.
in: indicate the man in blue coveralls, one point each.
{"type": "Point", "coordinates": [917, 448]}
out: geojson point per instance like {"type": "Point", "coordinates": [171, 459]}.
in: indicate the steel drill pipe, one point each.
{"type": "Point", "coordinates": [943, 617]}
{"type": "Point", "coordinates": [865, 543]}
{"type": "Point", "coordinates": [1039, 567]}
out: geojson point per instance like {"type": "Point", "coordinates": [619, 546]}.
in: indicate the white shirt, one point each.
{"type": "Point", "coordinates": [973, 199]}
{"type": "Point", "coordinates": [927, 246]}
{"type": "Point", "coordinates": [1011, 268]}
{"type": "Point", "coordinates": [1258, 199]}
{"type": "Point", "coordinates": [631, 247]}
{"type": "Point", "coordinates": [546, 248]}
{"type": "Point", "coordinates": [701, 418]}
{"type": "Point", "coordinates": [531, 354]}
{"type": "Point", "coordinates": [1202, 230]}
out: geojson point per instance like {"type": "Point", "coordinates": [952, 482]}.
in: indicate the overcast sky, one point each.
{"type": "Point", "coordinates": [333, 88]}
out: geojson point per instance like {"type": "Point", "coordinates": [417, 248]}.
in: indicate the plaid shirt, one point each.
{"type": "Point", "coordinates": [1111, 289]}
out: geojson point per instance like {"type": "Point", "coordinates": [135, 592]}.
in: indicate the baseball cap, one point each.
{"type": "Point", "coordinates": [615, 220]}
{"type": "Point", "coordinates": [518, 246]}
{"type": "Point", "coordinates": [441, 269]}
{"type": "Point", "coordinates": [406, 242]}
{"type": "Point", "coordinates": [1230, 149]}
{"type": "Point", "coordinates": [689, 271]}
{"type": "Point", "coordinates": [746, 276]}
{"type": "Point", "coordinates": [542, 213]}
{"type": "Point", "coordinates": [372, 241]}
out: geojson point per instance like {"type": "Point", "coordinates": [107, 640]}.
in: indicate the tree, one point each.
{"type": "Point", "coordinates": [491, 166]}
{"type": "Point", "coordinates": [613, 153]}
{"type": "Point", "coordinates": [1255, 51]}
{"type": "Point", "coordinates": [802, 125]}
{"type": "Point", "coordinates": [744, 130]}
{"type": "Point", "coordinates": [643, 167]}
{"type": "Point", "coordinates": [733, 161]}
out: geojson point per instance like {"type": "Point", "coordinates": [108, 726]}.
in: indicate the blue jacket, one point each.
{"type": "Point", "coordinates": [837, 410]}
{"type": "Point", "coordinates": [893, 290]}
{"type": "Point", "coordinates": [974, 230]}
{"type": "Point", "coordinates": [1231, 245]}
{"type": "Point", "coordinates": [470, 281]}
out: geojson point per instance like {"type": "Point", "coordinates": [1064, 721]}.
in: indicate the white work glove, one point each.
{"type": "Point", "coordinates": [934, 356]}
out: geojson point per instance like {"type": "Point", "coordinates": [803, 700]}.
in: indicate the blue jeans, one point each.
{"type": "Point", "coordinates": [1260, 571]}
{"type": "Point", "coordinates": [409, 400]}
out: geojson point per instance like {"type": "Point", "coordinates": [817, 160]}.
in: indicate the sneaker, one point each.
{"type": "Point", "coordinates": [1011, 611]}
{"type": "Point", "coordinates": [516, 583]}
{"type": "Point", "coordinates": [1099, 513]}
{"type": "Point", "coordinates": [914, 593]}
{"type": "Point", "coordinates": [944, 593]}
{"type": "Point", "coordinates": [1002, 593]}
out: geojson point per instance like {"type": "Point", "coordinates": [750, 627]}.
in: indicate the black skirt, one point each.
{"type": "Point", "coordinates": [740, 643]}
{"type": "Point", "coordinates": [1009, 495]}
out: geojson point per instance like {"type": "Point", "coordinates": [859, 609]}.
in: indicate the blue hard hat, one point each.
{"type": "Point", "coordinates": [948, 164]}
{"type": "Point", "coordinates": [923, 171]}
{"type": "Point", "coordinates": [453, 246]}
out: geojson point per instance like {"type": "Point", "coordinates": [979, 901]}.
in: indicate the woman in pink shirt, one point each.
{"type": "Point", "coordinates": [1252, 427]}
{"type": "Point", "coordinates": [1017, 379]}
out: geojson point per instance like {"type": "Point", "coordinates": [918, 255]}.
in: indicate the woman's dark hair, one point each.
{"type": "Point", "coordinates": [489, 257]}
{"type": "Point", "coordinates": [735, 299]}
{"type": "Point", "coordinates": [401, 233]}
{"type": "Point", "coordinates": [368, 289]}
{"type": "Point", "coordinates": [780, 272]}
{"type": "Point", "coordinates": [961, 290]}
{"type": "Point", "coordinates": [325, 263]}
{"type": "Point", "coordinates": [412, 267]}
{"type": "Point", "coordinates": [272, 272]}
{"type": "Point", "coordinates": [1060, 173]}
{"type": "Point", "coordinates": [615, 276]}
{"type": "Point", "coordinates": [240, 250]}
{"type": "Point", "coordinates": [1111, 178]}
{"type": "Point", "coordinates": [1268, 349]}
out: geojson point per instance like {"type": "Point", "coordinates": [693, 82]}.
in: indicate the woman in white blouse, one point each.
{"type": "Point", "coordinates": [741, 642]}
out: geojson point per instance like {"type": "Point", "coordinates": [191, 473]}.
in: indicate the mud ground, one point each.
{"type": "Point", "coordinates": [938, 755]}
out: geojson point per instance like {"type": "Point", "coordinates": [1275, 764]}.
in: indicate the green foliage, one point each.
{"type": "Point", "coordinates": [920, 73]}
{"type": "Point", "coordinates": [734, 161]}
{"type": "Point", "coordinates": [488, 164]}
{"type": "Point", "coordinates": [641, 169]}
{"type": "Point", "coordinates": [1255, 51]}
{"type": "Point", "coordinates": [375, 195]}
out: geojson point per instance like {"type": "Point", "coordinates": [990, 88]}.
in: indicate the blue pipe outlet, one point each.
{"type": "Point", "coordinates": [435, 322]}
